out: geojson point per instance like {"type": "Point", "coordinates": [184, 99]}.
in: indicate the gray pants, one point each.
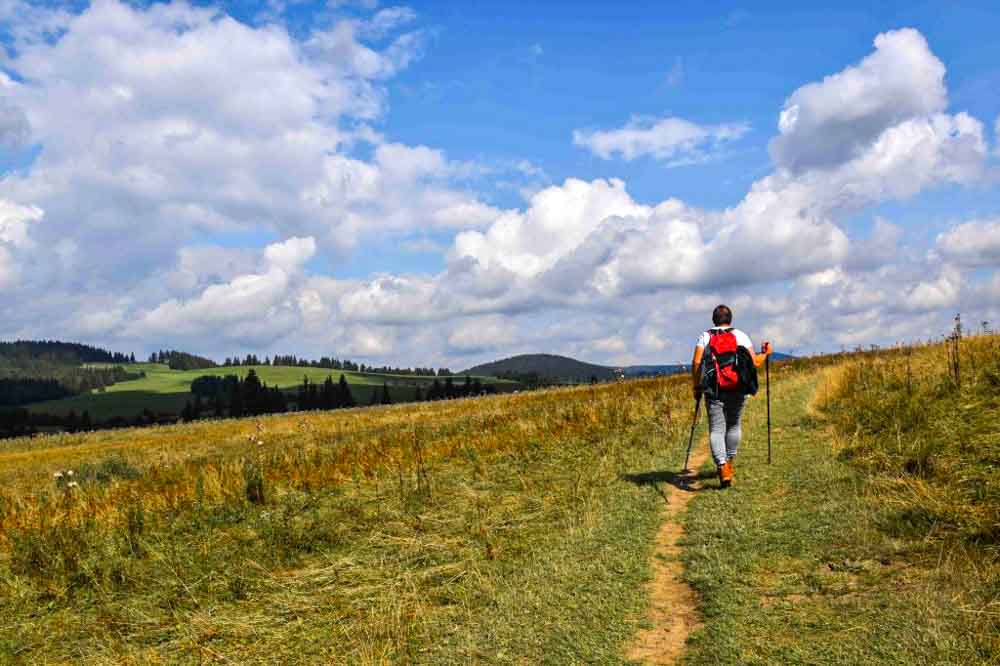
{"type": "Point", "coordinates": [724, 425]}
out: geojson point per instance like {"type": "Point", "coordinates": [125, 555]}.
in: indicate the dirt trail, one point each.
{"type": "Point", "coordinates": [672, 608]}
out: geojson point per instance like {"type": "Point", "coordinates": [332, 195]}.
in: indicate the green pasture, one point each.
{"type": "Point", "coordinates": [163, 390]}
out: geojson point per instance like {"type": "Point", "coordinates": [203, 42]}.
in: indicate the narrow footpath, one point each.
{"type": "Point", "coordinates": [672, 614]}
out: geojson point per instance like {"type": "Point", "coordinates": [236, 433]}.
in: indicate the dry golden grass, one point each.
{"type": "Point", "coordinates": [424, 532]}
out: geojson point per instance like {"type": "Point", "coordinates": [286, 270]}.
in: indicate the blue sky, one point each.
{"type": "Point", "coordinates": [446, 183]}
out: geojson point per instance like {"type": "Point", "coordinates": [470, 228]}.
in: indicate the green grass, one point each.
{"type": "Point", "coordinates": [806, 560]}
{"type": "Point", "coordinates": [163, 390]}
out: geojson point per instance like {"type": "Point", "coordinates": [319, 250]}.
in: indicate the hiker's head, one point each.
{"type": "Point", "coordinates": [722, 315]}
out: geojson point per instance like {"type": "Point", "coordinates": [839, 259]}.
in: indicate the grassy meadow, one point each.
{"type": "Point", "coordinates": [163, 390]}
{"type": "Point", "coordinates": [492, 529]}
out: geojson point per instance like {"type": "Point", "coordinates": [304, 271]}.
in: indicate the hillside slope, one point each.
{"type": "Point", "coordinates": [550, 366]}
{"type": "Point", "coordinates": [163, 390]}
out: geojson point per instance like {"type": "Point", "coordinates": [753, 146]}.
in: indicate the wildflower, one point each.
{"type": "Point", "coordinates": [57, 476]}
{"type": "Point", "coordinates": [69, 472]}
{"type": "Point", "coordinates": [72, 484]}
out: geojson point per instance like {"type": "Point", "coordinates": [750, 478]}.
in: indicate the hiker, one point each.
{"type": "Point", "coordinates": [728, 377]}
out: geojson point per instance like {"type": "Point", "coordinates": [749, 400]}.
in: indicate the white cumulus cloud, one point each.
{"type": "Point", "coordinates": [830, 122]}
{"type": "Point", "coordinates": [255, 308]}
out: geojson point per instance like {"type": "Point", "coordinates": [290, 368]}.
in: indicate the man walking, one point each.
{"type": "Point", "coordinates": [725, 381]}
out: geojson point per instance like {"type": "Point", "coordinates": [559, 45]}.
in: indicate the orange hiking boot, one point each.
{"type": "Point", "coordinates": [726, 474]}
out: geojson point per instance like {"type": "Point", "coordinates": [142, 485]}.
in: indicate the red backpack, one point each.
{"type": "Point", "coordinates": [725, 366]}
{"type": "Point", "coordinates": [722, 347]}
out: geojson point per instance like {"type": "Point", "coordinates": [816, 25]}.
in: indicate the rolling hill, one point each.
{"type": "Point", "coordinates": [550, 366]}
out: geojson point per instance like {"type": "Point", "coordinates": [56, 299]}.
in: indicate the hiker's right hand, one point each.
{"type": "Point", "coordinates": [767, 349]}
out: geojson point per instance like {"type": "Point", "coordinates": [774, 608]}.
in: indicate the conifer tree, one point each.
{"type": "Point", "coordinates": [329, 394]}
{"type": "Point", "coordinates": [304, 393]}
{"type": "Point", "coordinates": [346, 399]}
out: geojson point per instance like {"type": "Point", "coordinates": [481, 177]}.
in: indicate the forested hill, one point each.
{"type": "Point", "coordinates": [57, 353]}
{"type": "Point", "coordinates": [547, 366]}
{"type": "Point", "coordinates": [34, 371]}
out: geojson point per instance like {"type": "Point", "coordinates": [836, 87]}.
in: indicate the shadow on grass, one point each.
{"type": "Point", "coordinates": [678, 480]}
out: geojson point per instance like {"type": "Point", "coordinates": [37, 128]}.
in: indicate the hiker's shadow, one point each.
{"type": "Point", "coordinates": [678, 480]}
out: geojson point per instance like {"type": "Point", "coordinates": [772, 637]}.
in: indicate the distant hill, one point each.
{"type": "Point", "coordinates": [549, 366]}
{"type": "Point", "coordinates": [555, 367]}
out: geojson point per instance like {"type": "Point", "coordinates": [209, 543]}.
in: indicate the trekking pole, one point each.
{"type": "Point", "coordinates": [694, 422]}
{"type": "Point", "coordinates": [767, 379]}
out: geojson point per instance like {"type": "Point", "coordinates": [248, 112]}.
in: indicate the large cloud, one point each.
{"type": "Point", "coordinates": [255, 309]}
{"type": "Point", "coordinates": [557, 221]}
{"type": "Point", "coordinates": [829, 122]}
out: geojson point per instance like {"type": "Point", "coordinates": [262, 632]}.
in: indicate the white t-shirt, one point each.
{"type": "Point", "coordinates": [742, 339]}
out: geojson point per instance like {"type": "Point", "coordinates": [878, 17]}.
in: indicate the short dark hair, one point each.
{"type": "Point", "coordinates": [722, 315]}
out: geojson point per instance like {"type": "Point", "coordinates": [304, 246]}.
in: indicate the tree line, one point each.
{"type": "Point", "coordinates": [19, 422]}
{"type": "Point", "coordinates": [233, 396]}
{"type": "Point", "coordinates": [329, 363]}
{"type": "Point", "coordinates": [448, 389]}
{"type": "Point", "coordinates": [177, 360]}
